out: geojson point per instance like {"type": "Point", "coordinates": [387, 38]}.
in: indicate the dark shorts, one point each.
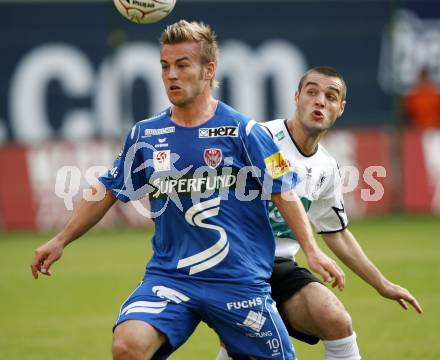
{"type": "Point", "coordinates": [287, 279]}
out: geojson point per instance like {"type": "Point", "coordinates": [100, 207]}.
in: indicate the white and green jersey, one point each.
{"type": "Point", "coordinates": [319, 188]}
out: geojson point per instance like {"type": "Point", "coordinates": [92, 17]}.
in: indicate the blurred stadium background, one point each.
{"type": "Point", "coordinates": [75, 76]}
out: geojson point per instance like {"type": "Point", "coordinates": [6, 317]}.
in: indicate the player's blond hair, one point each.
{"type": "Point", "coordinates": [183, 31]}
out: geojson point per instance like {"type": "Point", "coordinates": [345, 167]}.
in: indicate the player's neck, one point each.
{"type": "Point", "coordinates": [195, 113]}
{"type": "Point", "coordinates": [307, 142]}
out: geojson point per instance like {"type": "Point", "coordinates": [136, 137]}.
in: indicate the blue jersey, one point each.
{"type": "Point", "coordinates": [207, 187]}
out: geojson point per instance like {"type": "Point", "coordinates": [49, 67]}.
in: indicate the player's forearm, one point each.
{"type": "Point", "coordinates": [87, 215]}
{"type": "Point", "coordinates": [295, 216]}
{"type": "Point", "coordinates": [347, 249]}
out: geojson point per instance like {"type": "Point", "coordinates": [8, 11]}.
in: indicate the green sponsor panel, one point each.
{"type": "Point", "coordinates": [279, 226]}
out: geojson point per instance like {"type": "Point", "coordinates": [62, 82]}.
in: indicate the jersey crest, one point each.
{"type": "Point", "coordinates": [212, 157]}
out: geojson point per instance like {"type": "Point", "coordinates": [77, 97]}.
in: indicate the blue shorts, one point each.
{"type": "Point", "coordinates": [245, 317]}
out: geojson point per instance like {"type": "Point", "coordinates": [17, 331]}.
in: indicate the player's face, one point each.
{"type": "Point", "coordinates": [183, 74]}
{"type": "Point", "coordinates": [320, 102]}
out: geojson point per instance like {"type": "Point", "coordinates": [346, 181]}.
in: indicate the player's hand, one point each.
{"type": "Point", "coordinates": [45, 256]}
{"type": "Point", "coordinates": [327, 268]}
{"type": "Point", "coordinates": [401, 295]}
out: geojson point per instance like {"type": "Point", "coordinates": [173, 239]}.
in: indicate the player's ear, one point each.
{"type": "Point", "coordinates": [342, 108]}
{"type": "Point", "coordinates": [296, 97]}
{"type": "Point", "coordinates": [210, 70]}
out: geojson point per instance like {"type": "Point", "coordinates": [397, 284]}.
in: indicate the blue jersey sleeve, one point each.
{"type": "Point", "coordinates": [274, 173]}
{"type": "Point", "coordinates": [126, 179]}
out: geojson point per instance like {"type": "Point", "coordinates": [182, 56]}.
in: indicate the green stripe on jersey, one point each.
{"type": "Point", "coordinates": [277, 222]}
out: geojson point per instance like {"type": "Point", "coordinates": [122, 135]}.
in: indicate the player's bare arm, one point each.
{"type": "Point", "coordinates": [346, 248]}
{"type": "Point", "coordinates": [83, 219]}
{"type": "Point", "coordinates": [294, 214]}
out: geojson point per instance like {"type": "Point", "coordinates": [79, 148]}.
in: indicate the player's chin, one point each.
{"type": "Point", "coordinates": [177, 99]}
{"type": "Point", "coordinates": [316, 127]}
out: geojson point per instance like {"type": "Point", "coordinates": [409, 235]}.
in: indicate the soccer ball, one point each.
{"type": "Point", "coordinates": [144, 11]}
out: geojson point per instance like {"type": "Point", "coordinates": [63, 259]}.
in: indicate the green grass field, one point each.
{"type": "Point", "coordinates": [70, 315]}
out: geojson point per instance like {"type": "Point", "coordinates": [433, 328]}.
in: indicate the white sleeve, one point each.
{"type": "Point", "coordinates": [327, 213]}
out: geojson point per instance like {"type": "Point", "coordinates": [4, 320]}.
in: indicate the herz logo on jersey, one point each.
{"type": "Point", "coordinates": [212, 157]}
{"type": "Point", "coordinates": [221, 131]}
